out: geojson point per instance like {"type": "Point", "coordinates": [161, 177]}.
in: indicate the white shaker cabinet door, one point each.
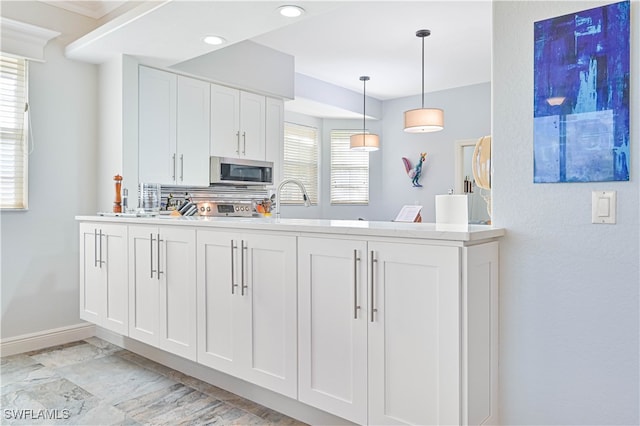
{"type": "Point", "coordinates": [268, 334]}
{"type": "Point", "coordinates": [414, 334]}
{"type": "Point", "coordinates": [193, 132]}
{"type": "Point", "coordinates": [116, 297]}
{"type": "Point", "coordinates": [177, 285]}
{"type": "Point", "coordinates": [225, 122]}
{"type": "Point", "coordinates": [252, 126]}
{"type": "Point", "coordinates": [333, 319]}
{"type": "Point", "coordinates": [91, 275]}
{"type": "Point", "coordinates": [157, 136]}
{"type": "Point", "coordinates": [144, 296]}
{"type": "Point", "coordinates": [103, 276]}
{"type": "Point", "coordinates": [218, 294]}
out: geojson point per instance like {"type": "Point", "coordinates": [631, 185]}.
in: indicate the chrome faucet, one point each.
{"type": "Point", "coordinates": [305, 196]}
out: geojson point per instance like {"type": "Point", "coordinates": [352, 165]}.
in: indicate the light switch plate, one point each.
{"type": "Point", "coordinates": [603, 207]}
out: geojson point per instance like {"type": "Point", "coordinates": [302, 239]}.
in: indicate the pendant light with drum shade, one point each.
{"type": "Point", "coordinates": [364, 141]}
{"type": "Point", "coordinates": [423, 120]}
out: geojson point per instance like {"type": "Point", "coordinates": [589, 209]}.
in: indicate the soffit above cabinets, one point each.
{"type": "Point", "coordinates": [334, 41]}
{"type": "Point", "coordinates": [170, 32]}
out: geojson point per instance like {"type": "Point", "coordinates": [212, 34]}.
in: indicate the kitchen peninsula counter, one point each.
{"type": "Point", "coordinates": [428, 231]}
{"type": "Point", "coordinates": [300, 307]}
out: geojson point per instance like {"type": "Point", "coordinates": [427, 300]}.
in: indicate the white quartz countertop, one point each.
{"type": "Point", "coordinates": [429, 231]}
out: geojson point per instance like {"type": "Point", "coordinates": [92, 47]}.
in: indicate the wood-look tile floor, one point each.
{"type": "Point", "coordinates": [92, 382]}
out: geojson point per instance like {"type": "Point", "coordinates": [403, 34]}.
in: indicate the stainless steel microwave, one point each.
{"type": "Point", "coordinates": [240, 171]}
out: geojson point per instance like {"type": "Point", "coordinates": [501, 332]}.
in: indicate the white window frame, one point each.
{"type": "Point", "coordinates": [14, 150]}
{"type": "Point", "coordinates": [300, 161]}
{"type": "Point", "coordinates": [349, 171]}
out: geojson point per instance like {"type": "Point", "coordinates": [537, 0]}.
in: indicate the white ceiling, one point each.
{"type": "Point", "coordinates": [334, 41]}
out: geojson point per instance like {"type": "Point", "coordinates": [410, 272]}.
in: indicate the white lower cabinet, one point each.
{"type": "Point", "coordinates": [162, 290]}
{"type": "Point", "coordinates": [383, 331]}
{"type": "Point", "coordinates": [247, 307]}
{"type": "Point", "coordinates": [103, 276]}
{"type": "Point", "coordinates": [375, 330]}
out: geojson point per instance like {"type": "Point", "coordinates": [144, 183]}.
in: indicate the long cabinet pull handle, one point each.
{"type": "Point", "coordinates": [238, 144]}
{"type": "Point", "coordinates": [95, 247]}
{"type": "Point", "coordinates": [100, 245]}
{"type": "Point", "coordinates": [173, 176]}
{"type": "Point", "coordinates": [233, 274]}
{"type": "Point", "coordinates": [373, 268]}
{"type": "Point", "coordinates": [242, 266]}
{"type": "Point", "coordinates": [181, 167]}
{"type": "Point", "coordinates": [159, 271]}
{"type": "Point", "coordinates": [151, 240]}
{"type": "Point", "coordinates": [356, 261]}
{"type": "Point", "coordinates": [244, 142]}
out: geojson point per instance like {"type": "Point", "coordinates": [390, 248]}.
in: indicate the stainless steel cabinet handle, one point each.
{"type": "Point", "coordinates": [244, 141]}
{"type": "Point", "coordinates": [95, 247]}
{"type": "Point", "coordinates": [233, 275]}
{"type": "Point", "coordinates": [100, 245]}
{"type": "Point", "coordinates": [159, 271]}
{"type": "Point", "coordinates": [373, 268]}
{"type": "Point", "coordinates": [243, 248]}
{"type": "Point", "coordinates": [151, 240]}
{"type": "Point", "coordinates": [181, 167]}
{"type": "Point", "coordinates": [173, 176]}
{"type": "Point", "coordinates": [238, 145]}
{"type": "Point", "coordinates": [356, 261]}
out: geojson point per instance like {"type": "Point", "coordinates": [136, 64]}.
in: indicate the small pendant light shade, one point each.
{"type": "Point", "coordinates": [423, 120]}
{"type": "Point", "coordinates": [364, 141]}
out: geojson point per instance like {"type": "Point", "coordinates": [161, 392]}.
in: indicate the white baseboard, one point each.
{"type": "Point", "coordinates": [46, 338]}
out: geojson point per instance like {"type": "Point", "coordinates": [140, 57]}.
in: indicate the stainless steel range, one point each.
{"type": "Point", "coordinates": [235, 208]}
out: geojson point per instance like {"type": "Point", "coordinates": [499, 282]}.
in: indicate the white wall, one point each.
{"type": "Point", "coordinates": [568, 289]}
{"type": "Point", "coordinates": [40, 246]}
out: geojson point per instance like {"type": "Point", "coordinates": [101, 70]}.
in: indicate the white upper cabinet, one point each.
{"type": "Point", "coordinates": [237, 123]}
{"type": "Point", "coordinates": [193, 132]}
{"type": "Point", "coordinates": [157, 126]}
{"type": "Point", "coordinates": [173, 128]}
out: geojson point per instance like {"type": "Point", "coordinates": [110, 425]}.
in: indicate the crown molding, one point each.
{"type": "Point", "coordinates": [91, 9]}
{"type": "Point", "coordinates": [25, 40]}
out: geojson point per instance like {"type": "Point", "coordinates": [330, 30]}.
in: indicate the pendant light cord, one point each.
{"type": "Point", "coordinates": [364, 107]}
{"type": "Point", "coordinates": [422, 72]}
{"type": "Point", "coordinates": [364, 79]}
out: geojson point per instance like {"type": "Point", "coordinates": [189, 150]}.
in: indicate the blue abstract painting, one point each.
{"type": "Point", "coordinates": [581, 96]}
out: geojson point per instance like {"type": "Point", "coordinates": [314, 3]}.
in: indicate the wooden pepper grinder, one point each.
{"type": "Point", "coordinates": [117, 205]}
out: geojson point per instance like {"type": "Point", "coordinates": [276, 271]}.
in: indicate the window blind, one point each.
{"type": "Point", "coordinates": [300, 162]}
{"type": "Point", "coordinates": [13, 142]}
{"type": "Point", "coordinates": [349, 170]}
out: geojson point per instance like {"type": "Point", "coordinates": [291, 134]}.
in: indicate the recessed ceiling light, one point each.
{"type": "Point", "coordinates": [214, 40]}
{"type": "Point", "coordinates": [291, 11]}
